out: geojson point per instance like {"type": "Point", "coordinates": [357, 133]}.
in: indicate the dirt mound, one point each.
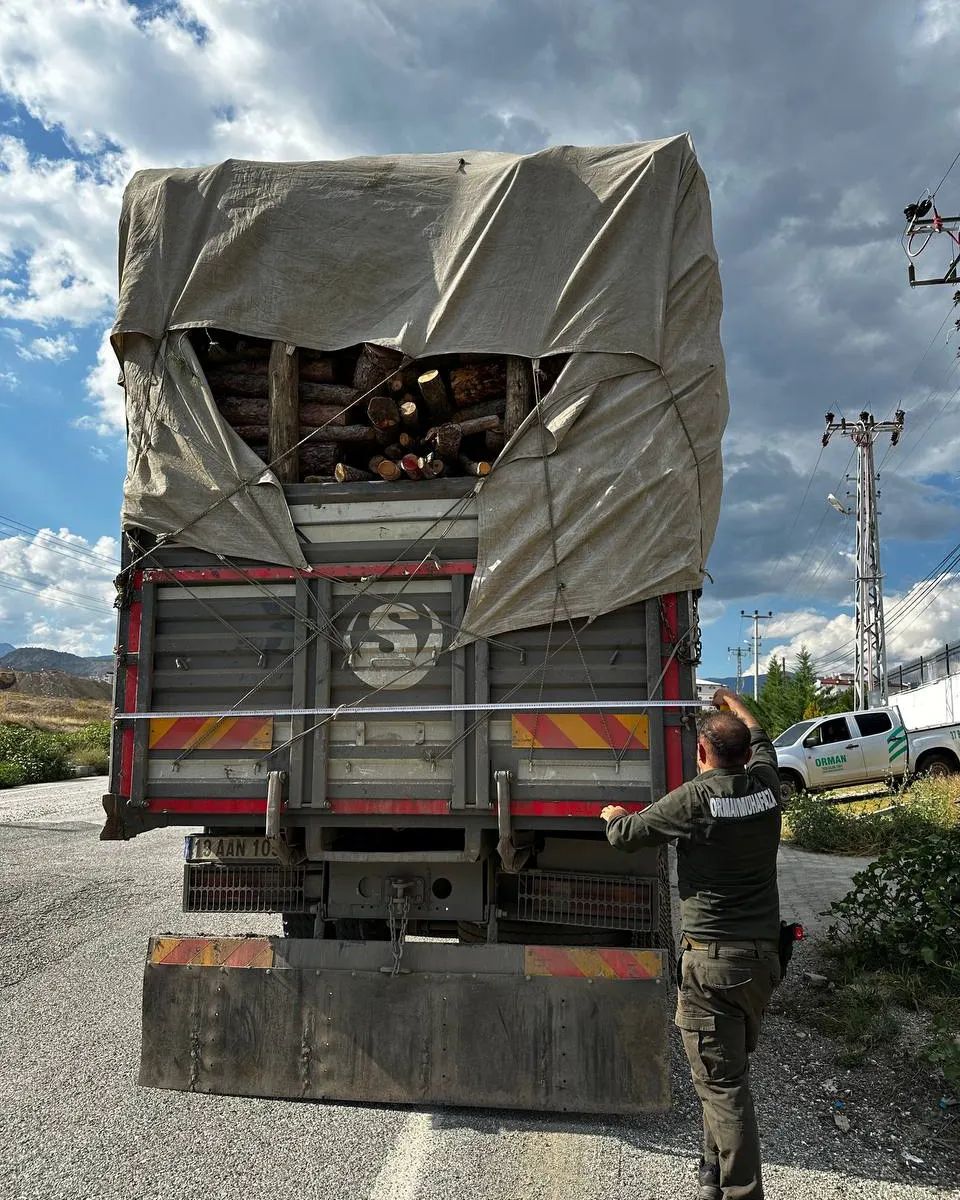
{"type": "Point", "coordinates": [60, 686]}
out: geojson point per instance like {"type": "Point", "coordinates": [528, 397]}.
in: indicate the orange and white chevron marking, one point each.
{"type": "Point", "coordinates": [210, 952]}
{"type": "Point", "coordinates": [587, 962]}
{"type": "Point", "coordinates": [211, 733]}
{"type": "Point", "coordinates": [581, 731]}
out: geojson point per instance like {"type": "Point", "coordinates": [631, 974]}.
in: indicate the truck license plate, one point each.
{"type": "Point", "coordinates": [203, 848]}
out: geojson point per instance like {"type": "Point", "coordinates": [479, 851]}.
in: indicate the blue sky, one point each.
{"type": "Point", "coordinates": [815, 129]}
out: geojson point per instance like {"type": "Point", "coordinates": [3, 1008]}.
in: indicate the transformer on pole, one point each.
{"type": "Point", "coordinates": [870, 664]}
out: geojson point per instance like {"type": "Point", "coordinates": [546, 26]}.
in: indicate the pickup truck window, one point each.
{"type": "Point", "coordinates": [835, 730]}
{"type": "Point", "coordinates": [793, 734]}
{"type": "Point", "coordinates": [871, 723]}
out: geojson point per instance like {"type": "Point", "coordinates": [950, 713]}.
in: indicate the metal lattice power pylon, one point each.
{"type": "Point", "coordinates": [870, 664]}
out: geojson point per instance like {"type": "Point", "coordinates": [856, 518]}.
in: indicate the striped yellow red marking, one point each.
{"type": "Point", "coordinates": [581, 731]}
{"type": "Point", "coordinates": [583, 962]}
{"type": "Point", "coordinates": [210, 952]}
{"type": "Point", "coordinates": [211, 733]}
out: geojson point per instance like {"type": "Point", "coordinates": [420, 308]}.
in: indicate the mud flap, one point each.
{"type": "Point", "coordinates": [548, 1028]}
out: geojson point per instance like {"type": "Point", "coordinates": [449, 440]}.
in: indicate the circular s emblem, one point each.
{"type": "Point", "coordinates": [394, 645]}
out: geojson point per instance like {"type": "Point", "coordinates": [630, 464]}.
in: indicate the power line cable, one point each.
{"type": "Point", "coordinates": [46, 535]}
{"type": "Point", "coordinates": [945, 174]}
{"type": "Point", "coordinates": [71, 603]}
{"type": "Point", "coordinates": [57, 587]}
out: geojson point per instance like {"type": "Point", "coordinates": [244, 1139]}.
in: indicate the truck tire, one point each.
{"type": "Point", "coordinates": [937, 764]}
{"type": "Point", "coordinates": [791, 785]}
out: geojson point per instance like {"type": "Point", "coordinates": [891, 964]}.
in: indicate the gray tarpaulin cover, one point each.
{"type": "Point", "coordinates": [604, 252]}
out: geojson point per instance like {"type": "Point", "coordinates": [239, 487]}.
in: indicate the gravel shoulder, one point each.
{"type": "Point", "coordinates": [74, 919]}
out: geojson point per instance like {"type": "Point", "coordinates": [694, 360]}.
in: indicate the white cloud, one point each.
{"type": "Point", "coordinates": [57, 236]}
{"type": "Point", "coordinates": [56, 590]}
{"type": "Point", "coordinates": [105, 394]}
{"type": "Point", "coordinates": [8, 379]}
{"type": "Point", "coordinates": [53, 349]}
{"type": "Point", "coordinates": [919, 622]}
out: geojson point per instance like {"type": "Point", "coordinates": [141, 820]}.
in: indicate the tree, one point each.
{"type": "Point", "coordinates": [773, 708]}
{"type": "Point", "coordinates": [804, 701]}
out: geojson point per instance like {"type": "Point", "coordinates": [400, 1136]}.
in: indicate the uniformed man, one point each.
{"type": "Point", "coordinates": [726, 823]}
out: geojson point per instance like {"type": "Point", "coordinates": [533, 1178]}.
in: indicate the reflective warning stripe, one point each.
{"type": "Point", "coordinates": [211, 733]}
{"type": "Point", "coordinates": [581, 731]}
{"type": "Point", "coordinates": [210, 952]}
{"type": "Point", "coordinates": [581, 962]}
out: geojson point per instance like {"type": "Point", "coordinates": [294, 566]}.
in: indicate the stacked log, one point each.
{"type": "Point", "coordinates": [366, 413]}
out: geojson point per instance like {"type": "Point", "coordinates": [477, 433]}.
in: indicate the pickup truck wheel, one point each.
{"type": "Point", "coordinates": [937, 766]}
{"type": "Point", "coordinates": [790, 786]}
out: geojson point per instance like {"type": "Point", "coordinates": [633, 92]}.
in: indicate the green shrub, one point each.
{"type": "Point", "coordinates": [12, 775]}
{"type": "Point", "coordinates": [902, 910]}
{"type": "Point", "coordinates": [95, 736]}
{"type": "Point", "coordinates": [42, 756]}
{"type": "Point", "coordinates": [943, 1051]}
{"type": "Point", "coordinates": [92, 756]}
{"type": "Point", "coordinates": [816, 824]}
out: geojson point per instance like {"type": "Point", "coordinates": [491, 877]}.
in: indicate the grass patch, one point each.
{"type": "Point", "coordinates": [875, 824]}
{"type": "Point", "coordinates": [894, 943]}
{"type": "Point", "coordinates": [51, 713]}
{"type": "Point", "coordinates": [34, 755]}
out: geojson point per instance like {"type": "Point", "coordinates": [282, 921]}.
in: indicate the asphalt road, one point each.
{"type": "Point", "coordinates": [75, 915]}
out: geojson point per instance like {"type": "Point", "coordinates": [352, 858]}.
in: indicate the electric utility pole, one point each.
{"type": "Point", "coordinates": [756, 618]}
{"type": "Point", "coordinates": [737, 652]}
{"type": "Point", "coordinates": [870, 661]}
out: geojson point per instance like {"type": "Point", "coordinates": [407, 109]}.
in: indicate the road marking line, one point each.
{"type": "Point", "coordinates": [399, 1177]}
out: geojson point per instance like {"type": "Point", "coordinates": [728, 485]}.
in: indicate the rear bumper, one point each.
{"type": "Point", "coordinates": [547, 1028]}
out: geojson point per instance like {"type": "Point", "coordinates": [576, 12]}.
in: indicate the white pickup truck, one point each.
{"type": "Point", "coordinates": [861, 747]}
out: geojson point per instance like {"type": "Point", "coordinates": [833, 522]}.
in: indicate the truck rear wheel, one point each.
{"type": "Point", "coordinates": [937, 766]}
{"type": "Point", "coordinates": [791, 785]}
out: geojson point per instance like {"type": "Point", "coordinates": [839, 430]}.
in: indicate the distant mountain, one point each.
{"type": "Point", "coordinates": [6, 648]}
{"type": "Point", "coordinates": [38, 658]}
{"type": "Point", "coordinates": [56, 685]}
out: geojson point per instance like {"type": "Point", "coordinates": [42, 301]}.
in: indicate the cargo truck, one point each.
{"type": "Point", "coordinates": [389, 712]}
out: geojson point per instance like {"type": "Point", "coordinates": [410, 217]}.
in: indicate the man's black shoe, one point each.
{"type": "Point", "coordinates": [708, 1177]}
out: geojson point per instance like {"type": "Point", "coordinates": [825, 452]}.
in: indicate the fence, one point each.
{"type": "Point", "coordinates": [925, 669]}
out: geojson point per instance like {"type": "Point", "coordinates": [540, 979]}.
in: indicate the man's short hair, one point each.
{"type": "Point", "coordinates": [728, 737]}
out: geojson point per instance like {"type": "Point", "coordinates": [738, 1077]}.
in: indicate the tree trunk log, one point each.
{"type": "Point", "coordinates": [446, 440]}
{"type": "Point", "coordinates": [479, 425]}
{"type": "Point", "coordinates": [386, 468]}
{"type": "Point", "coordinates": [382, 413]}
{"type": "Point", "coordinates": [432, 468]}
{"type": "Point", "coordinates": [284, 412]}
{"type": "Point", "coordinates": [315, 368]}
{"type": "Point", "coordinates": [337, 434]}
{"type": "Point", "coordinates": [469, 467]}
{"type": "Point", "coordinates": [479, 382]}
{"type": "Point", "coordinates": [519, 394]}
{"type": "Point", "coordinates": [247, 410]}
{"type": "Point", "coordinates": [435, 398]}
{"type": "Point", "coordinates": [410, 464]}
{"type": "Point", "coordinates": [344, 473]}
{"type": "Point", "coordinates": [252, 433]}
{"type": "Point", "coordinates": [494, 441]}
{"type": "Point", "coordinates": [328, 393]}
{"type": "Point", "coordinates": [487, 408]}
{"type": "Point", "coordinates": [312, 413]}
{"type": "Point", "coordinates": [409, 413]}
{"type": "Point", "coordinates": [318, 459]}
{"type": "Point", "coordinates": [374, 365]}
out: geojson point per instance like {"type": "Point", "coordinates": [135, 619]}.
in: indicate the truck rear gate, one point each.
{"type": "Point", "coordinates": [465, 807]}
{"type": "Point", "coordinates": [534, 1027]}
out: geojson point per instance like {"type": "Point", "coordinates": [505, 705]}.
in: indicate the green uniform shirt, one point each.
{"type": "Point", "coordinates": [726, 824]}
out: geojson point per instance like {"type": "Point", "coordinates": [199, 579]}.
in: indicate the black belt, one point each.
{"type": "Point", "coordinates": [760, 945]}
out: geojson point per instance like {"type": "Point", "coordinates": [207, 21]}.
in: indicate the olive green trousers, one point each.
{"type": "Point", "coordinates": [723, 992]}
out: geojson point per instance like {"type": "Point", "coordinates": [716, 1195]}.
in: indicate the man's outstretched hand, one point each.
{"type": "Point", "coordinates": [611, 812]}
